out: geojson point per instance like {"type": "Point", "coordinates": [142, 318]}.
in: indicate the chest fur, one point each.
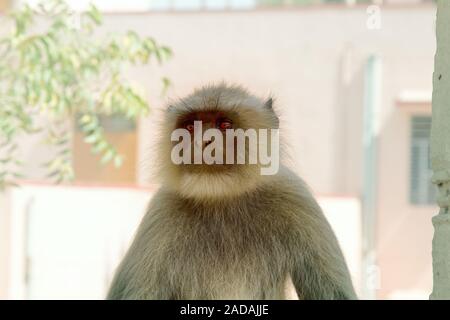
{"type": "Point", "coordinates": [230, 253]}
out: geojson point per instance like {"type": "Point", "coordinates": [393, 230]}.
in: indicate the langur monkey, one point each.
{"type": "Point", "coordinates": [225, 231]}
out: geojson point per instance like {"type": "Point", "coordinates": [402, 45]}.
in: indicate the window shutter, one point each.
{"type": "Point", "coordinates": [422, 191]}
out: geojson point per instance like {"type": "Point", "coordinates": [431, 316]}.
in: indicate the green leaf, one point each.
{"type": "Point", "coordinates": [99, 146]}
{"type": "Point", "coordinates": [94, 14]}
{"type": "Point", "coordinates": [86, 119]}
{"type": "Point", "coordinates": [92, 138]}
{"type": "Point", "coordinates": [109, 154]}
{"type": "Point", "coordinates": [118, 161]}
{"type": "Point", "coordinates": [166, 85]}
{"type": "Point", "coordinates": [166, 52]}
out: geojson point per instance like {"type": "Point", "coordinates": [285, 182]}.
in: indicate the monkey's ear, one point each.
{"type": "Point", "coordinates": [269, 106]}
{"type": "Point", "coordinates": [269, 103]}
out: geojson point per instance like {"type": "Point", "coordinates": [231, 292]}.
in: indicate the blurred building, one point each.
{"type": "Point", "coordinates": [353, 91]}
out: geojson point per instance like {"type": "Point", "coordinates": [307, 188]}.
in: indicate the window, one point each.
{"type": "Point", "coordinates": [422, 191]}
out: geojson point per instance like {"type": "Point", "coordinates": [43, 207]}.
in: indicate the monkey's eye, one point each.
{"type": "Point", "coordinates": [225, 124]}
{"type": "Point", "coordinates": [189, 127]}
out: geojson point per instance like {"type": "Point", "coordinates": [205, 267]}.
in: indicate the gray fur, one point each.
{"type": "Point", "coordinates": [236, 247]}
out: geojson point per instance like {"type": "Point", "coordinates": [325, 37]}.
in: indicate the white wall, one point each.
{"type": "Point", "coordinates": [4, 244]}
{"type": "Point", "coordinates": [65, 242]}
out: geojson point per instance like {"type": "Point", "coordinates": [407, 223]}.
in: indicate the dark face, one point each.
{"type": "Point", "coordinates": [209, 120]}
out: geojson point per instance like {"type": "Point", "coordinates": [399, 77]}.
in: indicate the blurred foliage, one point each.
{"type": "Point", "coordinates": [62, 72]}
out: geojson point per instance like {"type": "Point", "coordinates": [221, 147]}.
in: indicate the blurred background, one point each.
{"type": "Point", "coordinates": [352, 81]}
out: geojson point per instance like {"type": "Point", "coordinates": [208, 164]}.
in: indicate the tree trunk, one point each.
{"type": "Point", "coordinates": [440, 153]}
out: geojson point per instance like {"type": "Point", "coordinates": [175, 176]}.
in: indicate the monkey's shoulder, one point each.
{"type": "Point", "coordinates": [288, 188]}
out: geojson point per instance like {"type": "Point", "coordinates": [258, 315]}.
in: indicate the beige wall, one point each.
{"type": "Point", "coordinates": [404, 230]}
{"type": "Point", "coordinates": [311, 60]}
{"type": "Point", "coordinates": [87, 166]}
{"type": "Point", "coordinates": [5, 5]}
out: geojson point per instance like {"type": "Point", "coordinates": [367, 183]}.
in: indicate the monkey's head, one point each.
{"type": "Point", "coordinates": [217, 144]}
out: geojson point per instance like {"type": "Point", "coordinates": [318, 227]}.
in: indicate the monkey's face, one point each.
{"type": "Point", "coordinates": [221, 145]}
{"type": "Point", "coordinates": [211, 140]}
